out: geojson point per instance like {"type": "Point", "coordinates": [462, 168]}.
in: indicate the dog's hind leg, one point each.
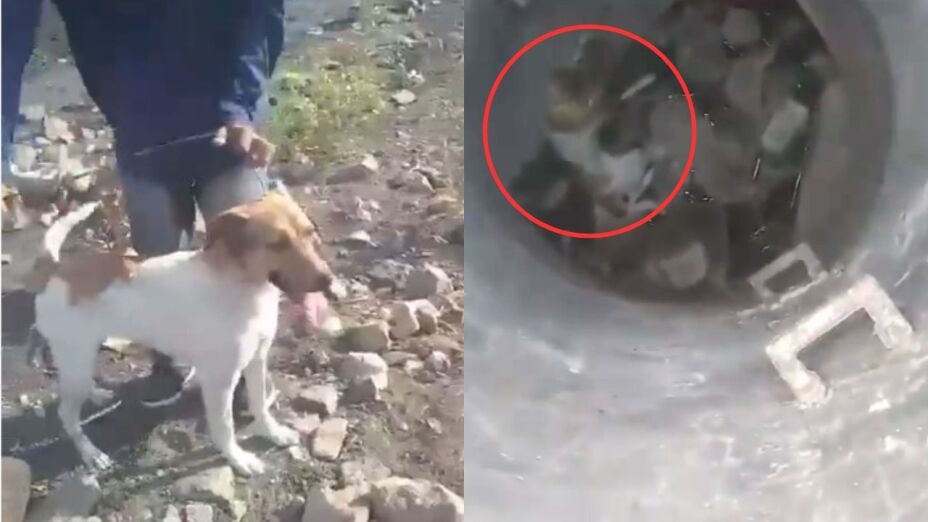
{"type": "Point", "coordinates": [256, 380]}
{"type": "Point", "coordinates": [75, 386]}
{"type": "Point", "coordinates": [217, 388]}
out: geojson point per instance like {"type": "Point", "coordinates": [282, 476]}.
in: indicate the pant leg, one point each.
{"type": "Point", "coordinates": [235, 186]}
{"type": "Point", "coordinates": [161, 217]}
{"type": "Point", "coordinates": [19, 22]}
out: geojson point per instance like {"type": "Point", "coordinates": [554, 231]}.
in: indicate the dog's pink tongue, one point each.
{"type": "Point", "coordinates": [315, 309]}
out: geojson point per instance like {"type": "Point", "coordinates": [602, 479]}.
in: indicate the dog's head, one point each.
{"type": "Point", "coordinates": [271, 240]}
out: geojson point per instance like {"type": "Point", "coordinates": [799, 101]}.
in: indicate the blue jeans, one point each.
{"type": "Point", "coordinates": [20, 19]}
{"type": "Point", "coordinates": [161, 216]}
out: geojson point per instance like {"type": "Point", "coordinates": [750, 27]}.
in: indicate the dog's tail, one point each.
{"type": "Point", "coordinates": [55, 236]}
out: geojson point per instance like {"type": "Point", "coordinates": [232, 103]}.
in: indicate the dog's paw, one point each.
{"type": "Point", "coordinates": [246, 463]}
{"type": "Point", "coordinates": [98, 461]}
{"type": "Point", "coordinates": [282, 435]}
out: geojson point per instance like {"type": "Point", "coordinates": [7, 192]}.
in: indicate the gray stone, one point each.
{"type": "Point", "coordinates": [358, 366]}
{"type": "Point", "coordinates": [321, 399]}
{"type": "Point", "coordinates": [329, 438]}
{"type": "Point", "coordinates": [38, 187]}
{"type": "Point", "coordinates": [371, 337]}
{"type": "Point", "coordinates": [426, 282]}
{"type": "Point", "coordinates": [351, 174]}
{"type": "Point", "coordinates": [172, 514]}
{"type": "Point", "coordinates": [198, 513]}
{"type": "Point", "coordinates": [388, 273]}
{"type": "Point", "coordinates": [787, 123]}
{"type": "Point", "coordinates": [33, 113]}
{"type": "Point", "coordinates": [76, 496]}
{"type": "Point", "coordinates": [399, 499]}
{"type": "Point", "coordinates": [345, 505]}
{"type": "Point", "coordinates": [403, 97]}
{"type": "Point", "coordinates": [211, 485]}
{"type": "Point", "coordinates": [404, 322]}
{"type": "Point", "coordinates": [360, 473]}
{"type": "Point", "coordinates": [359, 239]}
{"type": "Point", "coordinates": [363, 390]}
{"type": "Point", "coordinates": [700, 53]}
{"type": "Point", "coordinates": [24, 157]}
{"type": "Point", "coordinates": [685, 268]}
{"type": "Point", "coordinates": [17, 478]}
{"type": "Point", "coordinates": [744, 85]}
{"type": "Point", "coordinates": [438, 362]}
{"type": "Point", "coordinates": [398, 358]}
{"type": "Point", "coordinates": [427, 316]}
{"type": "Point", "coordinates": [56, 129]}
{"type": "Point", "coordinates": [305, 425]}
{"type": "Point", "coordinates": [741, 28]}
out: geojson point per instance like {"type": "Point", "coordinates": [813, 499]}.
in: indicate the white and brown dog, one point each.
{"type": "Point", "coordinates": [215, 309]}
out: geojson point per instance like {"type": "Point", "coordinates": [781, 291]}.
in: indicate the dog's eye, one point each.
{"type": "Point", "coordinates": [281, 243]}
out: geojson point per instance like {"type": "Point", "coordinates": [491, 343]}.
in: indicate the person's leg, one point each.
{"type": "Point", "coordinates": [160, 218]}
{"type": "Point", "coordinates": [20, 19]}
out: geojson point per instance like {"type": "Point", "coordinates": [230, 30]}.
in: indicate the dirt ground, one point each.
{"type": "Point", "coordinates": [417, 429]}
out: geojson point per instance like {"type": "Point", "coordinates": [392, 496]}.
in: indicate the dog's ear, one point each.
{"type": "Point", "coordinates": [233, 229]}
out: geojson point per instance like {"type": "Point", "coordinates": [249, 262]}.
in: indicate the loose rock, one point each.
{"type": "Point", "coordinates": [325, 505]}
{"type": "Point", "coordinates": [172, 514]}
{"type": "Point", "coordinates": [198, 513]}
{"type": "Point", "coordinates": [786, 125]}
{"type": "Point", "coordinates": [438, 362]}
{"type": "Point", "coordinates": [359, 239]}
{"type": "Point", "coordinates": [33, 113]}
{"type": "Point", "coordinates": [403, 97]}
{"type": "Point", "coordinates": [363, 390]}
{"type": "Point", "coordinates": [741, 28]}
{"type": "Point", "coordinates": [56, 129]}
{"type": "Point", "coordinates": [306, 425]}
{"type": "Point", "coordinates": [426, 315]}
{"type": "Point", "coordinates": [24, 157]}
{"type": "Point", "coordinates": [403, 319]}
{"type": "Point", "coordinates": [399, 499]}
{"type": "Point", "coordinates": [329, 437]}
{"type": "Point", "coordinates": [359, 173]}
{"type": "Point", "coordinates": [17, 477]}
{"type": "Point", "coordinates": [360, 473]}
{"type": "Point", "coordinates": [426, 282]}
{"type": "Point", "coordinates": [75, 497]}
{"type": "Point", "coordinates": [358, 366]}
{"type": "Point", "coordinates": [398, 358]}
{"type": "Point", "coordinates": [211, 485]}
{"type": "Point", "coordinates": [371, 337]}
{"type": "Point", "coordinates": [321, 399]}
{"type": "Point", "coordinates": [388, 273]}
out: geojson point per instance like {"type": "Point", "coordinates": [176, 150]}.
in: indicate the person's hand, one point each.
{"type": "Point", "coordinates": [243, 140]}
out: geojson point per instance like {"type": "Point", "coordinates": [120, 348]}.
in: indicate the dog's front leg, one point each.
{"type": "Point", "coordinates": [256, 380]}
{"type": "Point", "coordinates": [217, 389]}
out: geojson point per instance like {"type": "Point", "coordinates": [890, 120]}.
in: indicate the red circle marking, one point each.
{"type": "Point", "coordinates": [489, 105]}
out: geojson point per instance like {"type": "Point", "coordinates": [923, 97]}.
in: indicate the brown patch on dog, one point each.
{"type": "Point", "coordinates": [89, 273]}
{"type": "Point", "coordinates": [269, 238]}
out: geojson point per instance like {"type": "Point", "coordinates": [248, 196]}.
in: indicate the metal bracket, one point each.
{"type": "Point", "coordinates": [802, 253]}
{"type": "Point", "coordinates": [893, 330]}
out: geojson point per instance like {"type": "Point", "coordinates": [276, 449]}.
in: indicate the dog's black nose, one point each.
{"type": "Point", "coordinates": [326, 282]}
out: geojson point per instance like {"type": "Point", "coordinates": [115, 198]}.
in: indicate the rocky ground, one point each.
{"type": "Point", "coordinates": [379, 397]}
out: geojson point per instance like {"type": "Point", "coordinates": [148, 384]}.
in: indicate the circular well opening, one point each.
{"type": "Point", "coordinates": [779, 159]}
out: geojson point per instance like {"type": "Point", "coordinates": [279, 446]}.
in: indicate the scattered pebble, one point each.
{"type": "Point", "coordinates": [345, 505]}
{"type": "Point", "coordinates": [403, 97]}
{"type": "Point", "coordinates": [76, 496]}
{"type": "Point", "coordinates": [329, 437]}
{"type": "Point", "coordinates": [426, 282]}
{"type": "Point", "coordinates": [359, 366]}
{"type": "Point", "coordinates": [211, 485]}
{"type": "Point", "coordinates": [370, 337]}
{"type": "Point", "coordinates": [321, 399]}
{"type": "Point", "coordinates": [198, 513]}
{"type": "Point", "coordinates": [398, 499]}
{"type": "Point", "coordinates": [786, 125]}
{"type": "Point", "coordinates": [438, 362]}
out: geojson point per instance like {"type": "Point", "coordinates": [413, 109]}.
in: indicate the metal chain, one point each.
{"type": "Point", "coordinates": [19, 450]}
